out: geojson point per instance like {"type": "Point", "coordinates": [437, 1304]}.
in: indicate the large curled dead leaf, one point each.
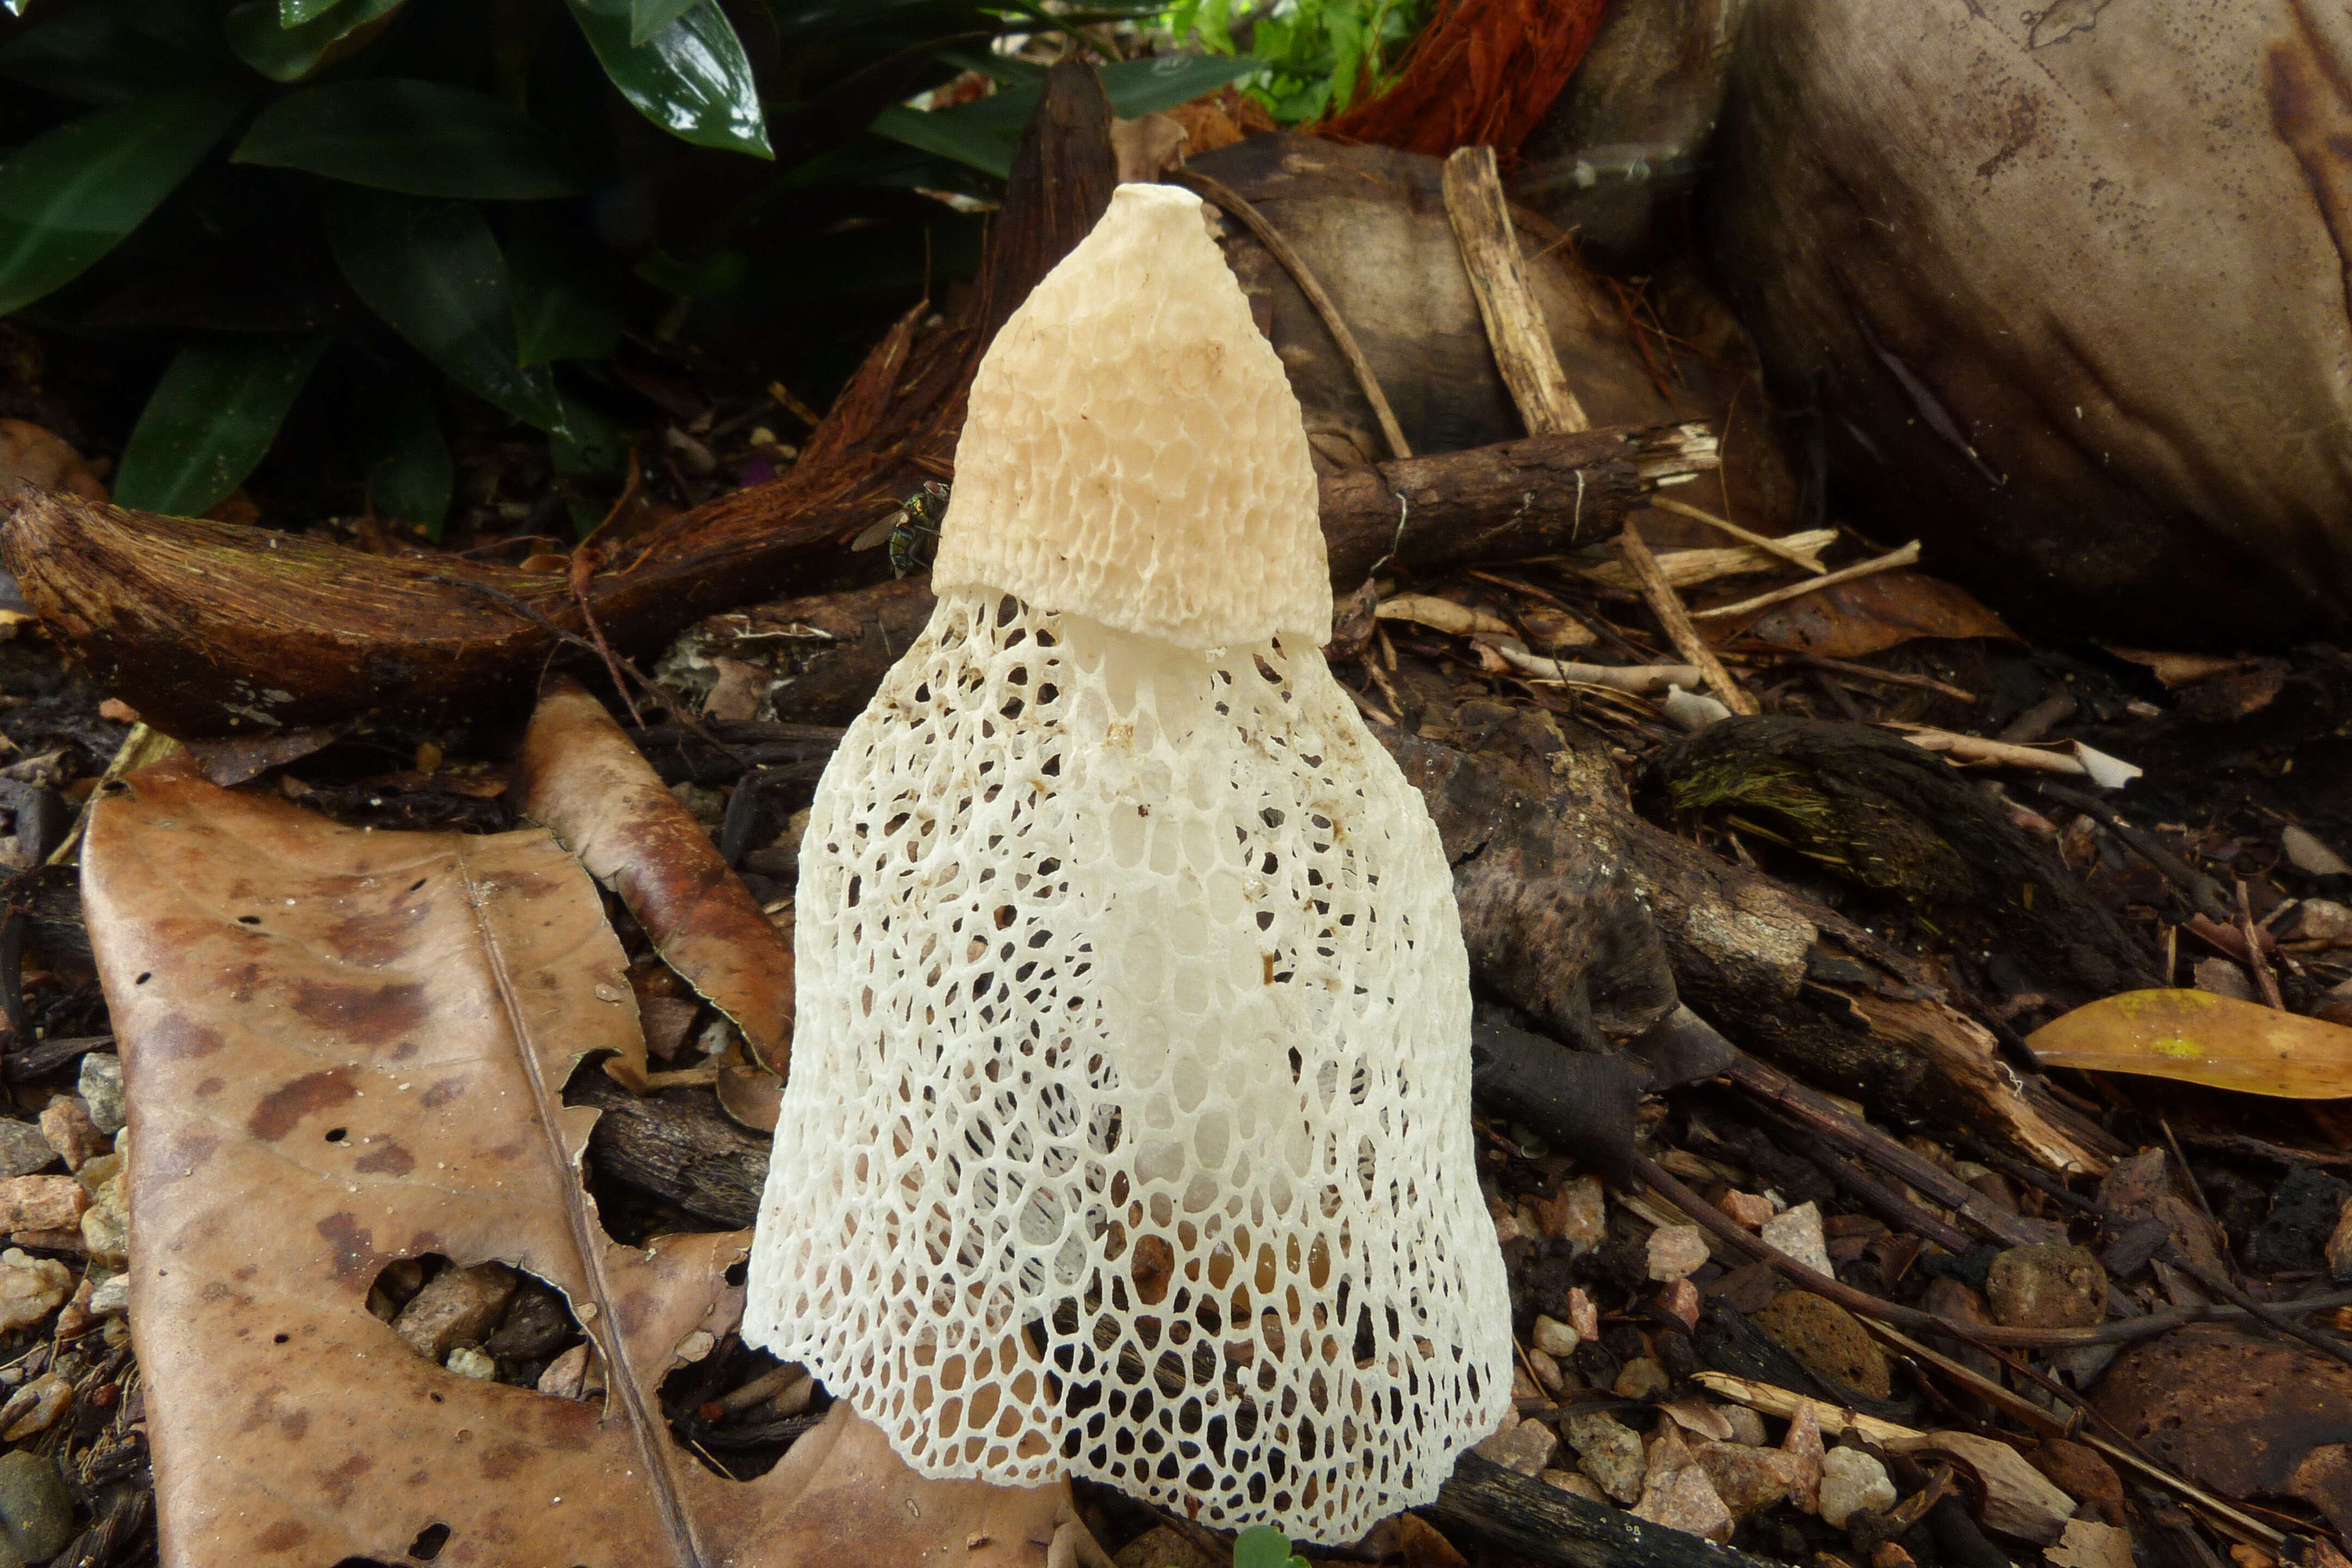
{"type": "Point", "coordinates": [345, 1048]}
{"type": "Point", "coordinates": [589, 784]}
{"type": "Point", "coordinates": [1872, 613]}
{"type": "Point", "coordinates": [2200, 1037]}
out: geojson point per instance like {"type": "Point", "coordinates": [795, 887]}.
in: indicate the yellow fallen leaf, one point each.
{"type": "Point", "coordinates": [2199, 1037]}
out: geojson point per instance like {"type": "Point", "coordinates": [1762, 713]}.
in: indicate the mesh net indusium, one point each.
{"type": "Point", "coordinates": [1129, 1128]}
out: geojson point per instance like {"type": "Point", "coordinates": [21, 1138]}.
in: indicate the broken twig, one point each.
{"type": "Point", "coordinates": [1639, 678]}
{"type": "Point", "coordinates": [1481, 217]}
{"type": "Point", "coordinates": [1770, 546]}
{"type": "Point", "coordinates": [1675, 617]}
{"type": "Point", "coordinates": [1906, 556]}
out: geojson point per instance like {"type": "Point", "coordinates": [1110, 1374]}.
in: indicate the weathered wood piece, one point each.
{"type": "Point", "coordinates": [1559, 1529]}
{"type": "Point", "coordinates": [211, 628]}
{"type": "Point", "coordinates": [1481, 217]}
{"type": "Point", "coordinates": [678, 1145]}
{"type": "Point", "coordinates": [1875, 810]}
{"type": "Point", "coordinates": [1742, 950]}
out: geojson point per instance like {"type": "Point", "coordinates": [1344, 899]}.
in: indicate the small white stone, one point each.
{"type": "Point", "coordinates": [1798, 1233]}
{"type": "Point", "coordinates": [1851, 1479]}
{"type": "Point", "coordinates": [1676, 1250]}
{"type": "Point", "coordinates": [471, 1361]}
{"type": "Point", "coordinates": [102, 1087]}
{"type": "Point", "coordinates": [30, 1288]}
{"type": "Point", "coordinates": [1553, 1337]}
{"type": "Point", "coordinates": [112, 1297]}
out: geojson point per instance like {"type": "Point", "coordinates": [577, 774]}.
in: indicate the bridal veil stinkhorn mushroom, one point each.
{"type": "Point", "coordinates": [1128, 1130]}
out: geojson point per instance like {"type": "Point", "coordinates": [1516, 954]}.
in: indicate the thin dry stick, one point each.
{"type": "Point", "coordinates": [1675, 619]}
{"type": "Point", "coordinates": [1992, 1336]}
{"type": "Point", "coordinates": [2264, 976]}
{"type": "Point", "coordinates": [1906, 556]}
{"type": "Point", "coordinates": [1764, 543]}
{"type": "Point", "coordinates": [1640, 679]}
{"type": "Point", "coordinates": [1233, 202]}
{"type": "Point", "coordinates": [1884, 676]}
{"type": "Point", "coordinates": [1481, 218]}
{"type": "Point", "coordinates": [1977, 748]}
{"type": "Point", "coordinates": [584, 567]}
{"type": "Point", "coordinates": [140, 748]}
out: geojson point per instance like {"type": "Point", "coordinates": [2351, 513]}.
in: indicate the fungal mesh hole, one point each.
{"type": "Point", "coordinates": [1110, 1173]}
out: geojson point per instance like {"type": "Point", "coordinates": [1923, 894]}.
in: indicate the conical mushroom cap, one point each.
{"type": "Point", "coordinates": [1133, 451]}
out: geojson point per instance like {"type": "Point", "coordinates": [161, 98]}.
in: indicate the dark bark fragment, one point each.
{"type": "Point", "coordinates": [1559, 1529]}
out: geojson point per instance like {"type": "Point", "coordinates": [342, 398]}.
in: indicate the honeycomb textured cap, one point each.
{"type": "Point", "coordinates": [1129, 1128]}
{"type": "Point", "coordinates": [1133, 452]}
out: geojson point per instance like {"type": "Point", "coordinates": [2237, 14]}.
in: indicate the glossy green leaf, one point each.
{"type": "Point", "coordinates": [982, 134]}
{"type": "Point", "coordinates": [691, 77]}
{"type": "Point", "coordinates": [564, 304]}
{"type": "Point", "coordinates": [210, 420]}
{"type": "Point", "coordinates": [648, 17]}
{"type": "Point", "coordinates": [111, 51]}
{"type": "Point", "coordinates": [68, 197]}
{"type": "Point", "coordinates": [587, 444]}
{"type": "Point", "coordinates": [288, 54]}
{"type": "Point", "coordinates": [1137, 87]}
{"type": "Point", "coordinates": [421, 138]}
{"type": "Point", "coordinates": [403, 454]}
{"type": "Point", "coordinates": [434, 271]}
{"type": "Point", "coordinates": [294, 13]}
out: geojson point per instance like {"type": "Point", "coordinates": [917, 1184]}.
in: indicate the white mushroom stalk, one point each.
{"type": "Point", "coordinates": [1129, 1128]}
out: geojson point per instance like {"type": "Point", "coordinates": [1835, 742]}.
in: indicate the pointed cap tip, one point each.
{"type": "Point", "coordinates": [1133, 451]}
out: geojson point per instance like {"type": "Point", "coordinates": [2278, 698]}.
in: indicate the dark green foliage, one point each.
{"type": "Point", "coordinates": [454, 200]}
{"type": "Point", "coordinates": [211, 418]}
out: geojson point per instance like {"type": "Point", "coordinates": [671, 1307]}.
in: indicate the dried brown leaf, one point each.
{"type": "Point", "coordinates": [1870, 615]}
{"type": "Point", "coordinates": [588, 784]}
{"type": "Point", "coordinates": [2200, 1037]}
{"type": "Point", "coordinates": [242, 757]}
{"type": "Point", "coordinates": [344, 1047]}
{"type": "Point", "coordinates": [30, 453]}
{"type": "Point", "coordinates": [2213, 690]}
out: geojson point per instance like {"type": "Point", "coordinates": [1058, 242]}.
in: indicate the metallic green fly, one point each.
{"type": "Point", "coordinates": [916, 519]}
